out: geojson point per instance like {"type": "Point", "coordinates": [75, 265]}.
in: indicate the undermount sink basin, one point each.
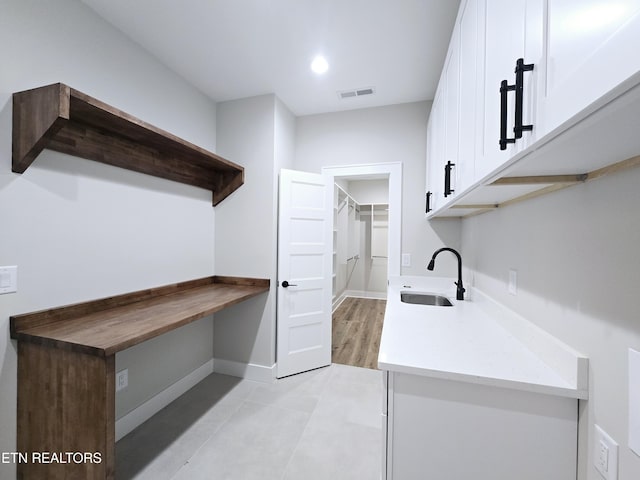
{"type": "Point", "coordinates": [425, 299]}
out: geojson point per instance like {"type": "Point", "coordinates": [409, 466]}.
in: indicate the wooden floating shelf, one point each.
{"type": "Point", "coordinates": [59, 118]}
{"type": "Point", "coordinates": [109, 325]}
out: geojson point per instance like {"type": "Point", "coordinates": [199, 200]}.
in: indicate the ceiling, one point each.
{"type": "Point", "coordinates": [233, 49]}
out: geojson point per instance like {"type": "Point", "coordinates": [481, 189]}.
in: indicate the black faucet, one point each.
{"type": "Point", "coordinates": [460, 291]}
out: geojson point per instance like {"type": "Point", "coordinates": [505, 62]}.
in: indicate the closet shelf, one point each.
{"type": "Point", "coordinates": [59, 118]}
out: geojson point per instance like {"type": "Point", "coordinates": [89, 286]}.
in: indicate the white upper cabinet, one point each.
{"type": "Point", "coordinates": [523, 86]}
{"type": "Point", "coordinates": [452, 132]}
{"type": "Point", "coordinates": [591, 49]}
{"type": "Point", "coordinates": [435, 153]}
{"type": "Point", "coordinates": [451, 97]}
{"type": "Point", "coordinates": [471, 26]}
{"type": "Point", "coordinates": [513, 31]}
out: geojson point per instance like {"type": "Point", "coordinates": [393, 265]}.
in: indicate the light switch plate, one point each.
{"type": "Point", "coordinates": [8, 279]}
{"type": "Point", "coordinates": [605, 454]}
{"type": "Point", "coordinates": [406, 259]}
{"type": "Point", "coordinates": [634, 401]}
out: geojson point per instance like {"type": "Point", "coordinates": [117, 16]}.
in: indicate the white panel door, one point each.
{"type": "Point", "coordinates": [305, 231]}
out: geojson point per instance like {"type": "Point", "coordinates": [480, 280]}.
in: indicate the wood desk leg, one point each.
{"type": "Point", "coordinates": [66, 414]}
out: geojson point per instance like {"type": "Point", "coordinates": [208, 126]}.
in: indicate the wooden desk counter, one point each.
{"type": "Point", "coordinates": [66, 366]}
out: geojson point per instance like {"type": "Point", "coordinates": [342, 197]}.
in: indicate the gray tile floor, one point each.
{"type": "Point", "coordinates": [323, 424]}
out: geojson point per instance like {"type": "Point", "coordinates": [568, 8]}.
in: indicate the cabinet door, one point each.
{"type": "Point", "coordinates": [428, 160]}
{"type": "Point", "coordinates": [471, 24]}
{"type": "Point", "coordinates": [513, 30]}
{"type": "Point", "coordinates": [591, 48]}
{"type": "Point", "coordinates": [439, 429]}
{"type": "Point", "coordinates": [451, 92]}
{"type": "Point", "coordinates": [443, 128]}
{"type": "Point", "coordinates": [435, 152]}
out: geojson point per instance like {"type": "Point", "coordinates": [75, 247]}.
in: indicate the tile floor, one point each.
{"type": "Point", "coordinates": [323, 424]}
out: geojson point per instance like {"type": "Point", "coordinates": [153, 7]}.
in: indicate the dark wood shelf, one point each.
{"type": "Point", "coordinates": [59, 118]}
{"type": "Point", "coordinates": [106, 326]}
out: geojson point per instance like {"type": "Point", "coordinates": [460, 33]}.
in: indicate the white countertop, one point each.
{"type": "Point", "coordinates": [477, 341]}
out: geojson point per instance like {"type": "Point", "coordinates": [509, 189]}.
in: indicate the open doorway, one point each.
{"type": "Point", "coordinates": [393, 172]}
{"type": "Point", "coordinates": [360, 237]}
{"type": "Point", "coordinates": [366, 252]}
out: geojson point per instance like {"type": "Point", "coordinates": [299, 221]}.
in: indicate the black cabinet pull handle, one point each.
{"type": "Point", "coordinates": [428, 203]}
{"type": "Point", "coordinates": [518, 87]}
{"type": "Point", "coordinates": [286, 284]}
{"type": "Point", "coordinates": [504, 88]}
{"type": "Point", "coordinates": [447, 178]}
{"type": "Point", "coordinates": [521, 67]}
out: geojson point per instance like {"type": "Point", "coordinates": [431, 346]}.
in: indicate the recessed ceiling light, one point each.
{"type": "Point", "coordinates": [319, 65]}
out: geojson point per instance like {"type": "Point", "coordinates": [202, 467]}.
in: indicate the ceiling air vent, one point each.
{"type": "Point", "coordinates": [358, 92]}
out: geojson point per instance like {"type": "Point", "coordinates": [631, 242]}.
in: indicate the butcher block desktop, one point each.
{"type": "Point", "coordinates": [66, 366]}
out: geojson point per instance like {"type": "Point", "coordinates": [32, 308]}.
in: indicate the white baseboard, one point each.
{"type": "Point", "coordinates": [358, 294]}
{"type": "Point", "coordinates": [366, 294]}
{"type": "Point", "coordinates": [248, 371]}
{"type": "Point", "coordinates": [337, 302]}
{"type": "Point", "coordinates": [142, 413]}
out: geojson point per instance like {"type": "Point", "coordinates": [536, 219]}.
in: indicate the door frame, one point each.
{"type": "Point", "coordinates": [394, 170]}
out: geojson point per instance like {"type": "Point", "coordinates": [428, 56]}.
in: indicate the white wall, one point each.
{"type": "Point", "coordinates": [80, 230]}
{"type": "Point", "coordinates": [395, 133]}
{"type": "Point", "coordinates": [369, 191]}
{"type": "Point", "coordinates": [577, 261]}
{"type": "Point", "coordinates": [258, 134]}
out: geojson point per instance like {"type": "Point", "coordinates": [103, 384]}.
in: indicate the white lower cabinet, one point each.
{"type": "Point", "coordinates": [444, 429]}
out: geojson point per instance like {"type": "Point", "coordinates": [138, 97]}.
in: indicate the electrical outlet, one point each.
{"type": "Point", "coordinates": [605, 454]}
{"type": "Point", "coordinates": [122, 379]}
{"type": "Point", "coordinates": [406, 259]}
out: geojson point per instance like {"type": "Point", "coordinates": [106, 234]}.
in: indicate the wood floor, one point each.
{"type": "Point", "coordinates": [357, 327]}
